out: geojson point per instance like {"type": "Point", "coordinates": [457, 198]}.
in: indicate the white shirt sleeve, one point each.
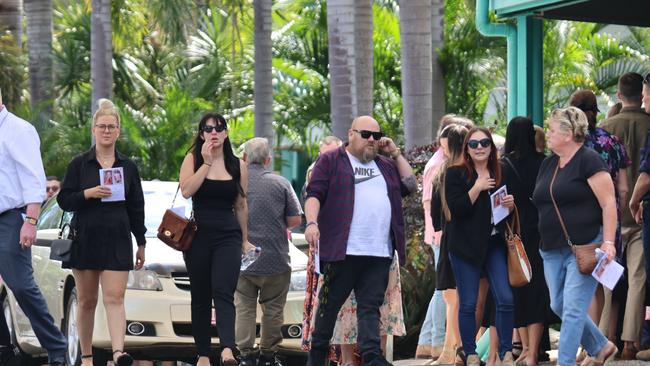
{"type": "Point", "coordinates": [25, 151]}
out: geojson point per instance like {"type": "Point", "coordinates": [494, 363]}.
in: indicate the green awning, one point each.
{"type": "Point", "coordinates": [627, 12]}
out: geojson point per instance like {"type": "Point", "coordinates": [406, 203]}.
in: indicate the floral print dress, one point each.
{"type": "Point", "coordinates": [345, 330]}
{"type": "Point", "coordinates": [610, 148]}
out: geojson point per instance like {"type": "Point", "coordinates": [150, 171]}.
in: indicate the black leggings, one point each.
{"type": "Point", "coordinates": [213, 264]}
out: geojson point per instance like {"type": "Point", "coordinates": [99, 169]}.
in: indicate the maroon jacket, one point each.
{"type": "Point", "coordinates": [332, 183]}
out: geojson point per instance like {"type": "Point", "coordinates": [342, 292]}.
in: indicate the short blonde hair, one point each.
{"type": "Point", "coordinates": [571, 120]}
{"type": "Point", "coordinates": [106, 108]}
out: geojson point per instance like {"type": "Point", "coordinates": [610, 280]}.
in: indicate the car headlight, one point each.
{"type": "Point", "coordinates": [143, 280]}
{"type": "Point", "coordinates": [298, 281]}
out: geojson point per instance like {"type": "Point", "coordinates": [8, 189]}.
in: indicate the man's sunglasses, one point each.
{"type": "Point", "coordinates": [473, 144]}
{"type": "Point", "coordinates": [646, 80]}
{"type": "Point", "coordinates": [209, 128]}
{"type": "Point", "coordinates": [366, 134]}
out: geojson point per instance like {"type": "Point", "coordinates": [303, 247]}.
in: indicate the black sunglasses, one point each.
{"type": "Point", "coordinates": [209, 128]}
{"type": "Point", "coordinates": [646, 80]}
{"type": "Point", "coordinates": [366, 134]}
{"type": "Point", "coordinates": [473, 144]}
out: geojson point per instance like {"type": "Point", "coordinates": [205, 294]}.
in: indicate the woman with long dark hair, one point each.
{"type": "Point", "coordinates": [476, 242]}
{"type": "Point", "coordinates": [216, 180]}
{"type": "Point", "coordinates": [521, 164]}
{"type": "Point", "coordinates": [451, 141]}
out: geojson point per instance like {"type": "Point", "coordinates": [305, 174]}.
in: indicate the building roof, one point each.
{"type": "Point", "coordinates": [626, 12]}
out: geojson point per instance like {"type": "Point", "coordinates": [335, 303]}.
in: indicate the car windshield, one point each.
{"type": "Point", "coordinates": [158, 197]}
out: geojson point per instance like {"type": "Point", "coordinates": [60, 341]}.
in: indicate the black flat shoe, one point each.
{"type": "Point", "coordinates": [125, 359]}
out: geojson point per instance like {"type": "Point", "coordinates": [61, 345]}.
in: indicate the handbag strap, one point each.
{"type": "Point", "coordinates": [557, 210]}
{"type": "Point", "coordinates": [507, 160]}
{"type": "Point", "coordinates": [516, 227]}
{"type": "Point", "coordinates": [174, 200]}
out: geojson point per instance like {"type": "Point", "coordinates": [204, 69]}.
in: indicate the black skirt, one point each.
{"type": "Point", "coordinates": [532, 301]}
{"type": "Point", "coordinates": [445, 279]}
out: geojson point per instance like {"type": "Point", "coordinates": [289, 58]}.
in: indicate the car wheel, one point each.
{"type": "Point", "coordinates": [24, 358]}
{"type": "Point", "coordinates": [73, 356]}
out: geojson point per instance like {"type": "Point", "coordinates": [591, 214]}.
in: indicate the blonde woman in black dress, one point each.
{"type": "Point", "coordinates": [102, 252]}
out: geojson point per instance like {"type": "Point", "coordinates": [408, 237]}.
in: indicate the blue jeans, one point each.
{"type": "Point", "coordinates": [468, 277]}
{"type": "Point", "coordinates": [433, 328]}
{"type": "Point", "coordinates": [17, 272]}
{"type": "Point", "coordinates": [571, 293]}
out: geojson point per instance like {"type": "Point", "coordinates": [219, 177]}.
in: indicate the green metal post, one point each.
{"type": "Point", "coordinates": [488, 29]}
{"type": "Point", "coordinates": [529, 68]}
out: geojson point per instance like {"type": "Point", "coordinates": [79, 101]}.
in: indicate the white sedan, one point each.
{"type": "Point", "coordinates": [157, 299]}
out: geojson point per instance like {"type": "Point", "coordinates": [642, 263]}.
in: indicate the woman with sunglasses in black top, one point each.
{"type": "Point", "coordinates": [476, 243]}
{"type": "Point", "coordinates": [216, 180]}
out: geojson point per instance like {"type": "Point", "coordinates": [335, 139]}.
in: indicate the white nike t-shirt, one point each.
{"type": "Point", "coordinates": [370, 228]}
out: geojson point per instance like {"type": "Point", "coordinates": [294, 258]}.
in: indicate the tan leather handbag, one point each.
{"type": "Point", "coordinates": [175, 230]}
{"type": "Point", "coordinates": [586, 259]}
{"type": "Point", "coordinates": [519, 270]}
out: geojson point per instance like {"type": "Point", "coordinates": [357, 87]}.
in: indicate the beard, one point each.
{"type": "Point", "coordinates": [368, 155]}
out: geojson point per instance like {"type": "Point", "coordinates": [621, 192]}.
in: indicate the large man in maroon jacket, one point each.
{"type": "Point", "coordinates": [354, 214]}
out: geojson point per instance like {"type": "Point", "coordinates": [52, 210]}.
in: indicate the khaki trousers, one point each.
{"type": "Point", "coordinates": [636, 276]}
{"type": "Point", "coordinates": [271, 292]}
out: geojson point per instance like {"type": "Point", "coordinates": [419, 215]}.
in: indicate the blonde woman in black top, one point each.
{"type": "Point", "coordinates": [102, 252]}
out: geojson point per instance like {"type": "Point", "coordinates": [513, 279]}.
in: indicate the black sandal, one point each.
{"type": "Point", "coordinates": [86, 356]}
{"type": "Point", "coordinates": [125, 359]}
{"type": "Point", "coordinates": [517, 349]}
{"type": "Point", "coordinates": [229, 362]}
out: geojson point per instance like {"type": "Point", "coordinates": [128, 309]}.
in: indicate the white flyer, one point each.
{"type": "Point", "coordinates": [113, 178]}
{"type": "Point", "coordinates": [499, 211]}
{"type": "Point", "coordinates": [607, 274]}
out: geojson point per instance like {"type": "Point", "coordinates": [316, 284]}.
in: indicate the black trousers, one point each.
{"type": "Point", "coordinates": [213, 264]}
{"type": "Point", "coordinates": [368, 277]}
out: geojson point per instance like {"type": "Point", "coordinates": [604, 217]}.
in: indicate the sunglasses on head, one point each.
{"type": "Point", "coordinates": [209, 128]}
{"type": "Point", "coordinates": [366, 134]}
{"type": "Point", "coordinates": [473, 144]}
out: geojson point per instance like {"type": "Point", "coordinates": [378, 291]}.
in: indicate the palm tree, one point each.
{"type": "Point", "coordinates": [39, 45]}
{"type": "Point", "coordinates": [438, 80]}
{"type": "Point", "coordinates": [11, 15]}
{"type": "Point", "coordinates": [101, 51]}
{"type": "Point", "coordinates": [263, 88]}
{"type": "Point", "coordinates": [363, 56]}
{"type": "Point", "coordinates": [340, 29]}
{"type": "Point", "coordinates": [415, 31]}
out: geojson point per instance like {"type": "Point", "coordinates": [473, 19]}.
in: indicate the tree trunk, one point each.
{"type": "Point", "coordinates": [438, 79]}
{"type": "Point", "coordinates": [263, 88]}
{"type": "Point", "coordinates": [39, 46]}
{"type": "Point", "coordinates": [415, 33]}
{"type": "Point", "coordinates": [11, 15]}
{"type": "Point", "coordinates": [101, 51]}
{"type": "Point", "coordinates": [340, 29]}
{"type": "Point", "coordinates": [364, 53]}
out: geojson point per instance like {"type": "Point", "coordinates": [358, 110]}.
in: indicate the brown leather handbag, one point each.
{"type": "Point", "coordinates": [586, 259]}
{"type": "Point", "coordinates": [519, 269]}
{"type": "Point", "coordinates": [175, 230]}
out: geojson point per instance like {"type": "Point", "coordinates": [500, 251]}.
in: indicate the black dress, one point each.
{"type": "Point", "coordinates": [103, 229]}
{"type": "Point", "coordinates": [532, 300]}
{"type": "Point", "coordinates": [444, 274]}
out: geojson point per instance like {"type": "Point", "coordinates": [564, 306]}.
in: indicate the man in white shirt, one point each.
{"type": "Point", "coordinates": [22, 189]}
{"type": "Point", "coordinates": [354, 213]}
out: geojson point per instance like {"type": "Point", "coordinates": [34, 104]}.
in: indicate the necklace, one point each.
{"type": "Point", "coordinates": [105, 160]}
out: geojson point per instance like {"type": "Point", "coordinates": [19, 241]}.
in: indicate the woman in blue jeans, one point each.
{"type": "Point", "coordinates": [576, 178]}
{"type": "Point", "coordinates": [476, 243]}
